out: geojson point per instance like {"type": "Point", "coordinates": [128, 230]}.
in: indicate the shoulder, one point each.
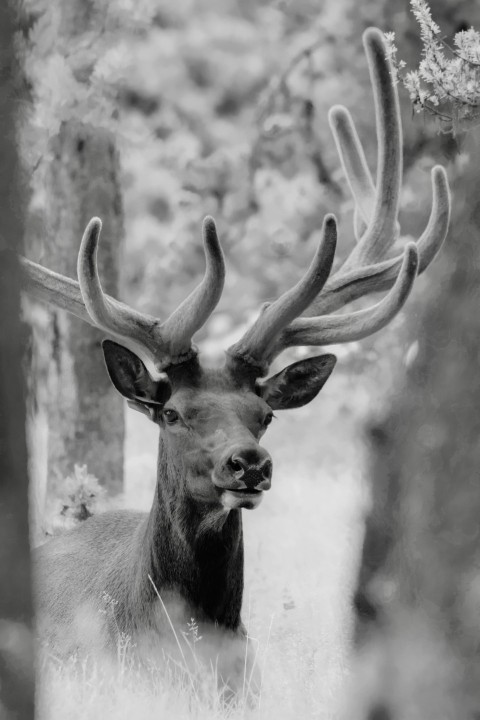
{"type": "Point", "coordinates": [96, 533]}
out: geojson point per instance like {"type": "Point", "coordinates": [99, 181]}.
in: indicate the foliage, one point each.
{"type": "Point", "coordinates": [73, 71]}
{"type": "Point", "coordinates": [210, 149]}
{"type": "Point", "coordinates": [447, 81]}
{"type": "Point", "coordinates": [82, 496]}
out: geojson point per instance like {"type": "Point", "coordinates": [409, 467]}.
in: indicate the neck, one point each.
{"type": "Point", "coordinates": [195, 549]}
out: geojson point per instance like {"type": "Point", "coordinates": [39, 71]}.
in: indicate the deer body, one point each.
{"type": "Point", "coordinates": [94, 581]}
{"type": "Point", "coordinates": [199, 578]}
{"type": "Point", "coordinates": [115, 573]}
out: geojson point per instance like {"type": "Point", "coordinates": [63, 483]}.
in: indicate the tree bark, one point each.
{"type": "Point", "coordinates": [16, 644]}
{"type": "Point", "coordinates": [85, 413]}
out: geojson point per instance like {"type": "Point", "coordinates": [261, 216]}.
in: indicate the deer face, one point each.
{"type": "Point", "coordinates": [215, 430]}
{"type": "Point", "coordinates": [212, 421]}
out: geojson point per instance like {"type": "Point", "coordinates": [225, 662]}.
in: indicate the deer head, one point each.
{"type": "Point", "coordinates": [212, 421]}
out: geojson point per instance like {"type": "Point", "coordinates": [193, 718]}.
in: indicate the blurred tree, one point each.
{"type": "Point", "coordinates": [86, 423]}
{"type": "Point", "coordinates": [16, 645]}
{"type": "Point", "coordinates": [418, 597]}
{"type": "Point", "coordinates": [81, 178]}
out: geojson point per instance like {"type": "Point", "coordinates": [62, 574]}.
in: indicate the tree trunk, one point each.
{"type": "Point", "coordinates": [16, 645]}
{"type": "Point", "coordinates": [85, 413]}
{"type": "Point", "coordinates": [418, 600]}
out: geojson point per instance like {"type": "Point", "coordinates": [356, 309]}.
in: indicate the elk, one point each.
{"type": "Point", "coordinates": [187, 552]}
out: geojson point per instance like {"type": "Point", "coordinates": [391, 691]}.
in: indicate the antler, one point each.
{"type": "Point", "coordinates": [158, 344]}
{"type": "Point", "coordinates": [376, 227]}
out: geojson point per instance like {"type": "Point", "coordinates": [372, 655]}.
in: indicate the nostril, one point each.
{"type": "Point", "coordinates": [235, 464]}
{"type": "Point", "coordinates": [266, 470]}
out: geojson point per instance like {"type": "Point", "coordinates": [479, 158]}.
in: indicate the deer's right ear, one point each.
{"type": "Point", "coordinates": [131, 378]}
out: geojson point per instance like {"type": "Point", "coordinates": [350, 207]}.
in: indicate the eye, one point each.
{"type": "Point", "coordinates": [268, 419]}
{"type": "Point", "coordinates": [171, 416]}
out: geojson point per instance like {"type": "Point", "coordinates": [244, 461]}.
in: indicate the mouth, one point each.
{"type": "Point", "coordinates": [246, 498]}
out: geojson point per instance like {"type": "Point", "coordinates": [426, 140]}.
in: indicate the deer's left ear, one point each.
{"type": "Point", "coordinates": [297, 384]}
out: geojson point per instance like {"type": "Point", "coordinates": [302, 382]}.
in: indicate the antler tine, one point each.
{"type": "Point", "coordinates": [136, 330]}
{"type": "Point", "coordinates": [254, 346]}
{"type": "Point", "coordinates": [354, 165]}
{"type": "Point", "coordinates": [435, 233]}
{"type": "Point", "coordinates": [333, 329]}
{"type": "Point", "coordinates": [113, 317]}
{"type": "Point", "coordinates": [380, 232]}
{"type": "Point", "coordinates": [199, 305]}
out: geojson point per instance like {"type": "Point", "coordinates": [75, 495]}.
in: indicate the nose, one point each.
{"type": "Point", "coordinates": [252, 467]}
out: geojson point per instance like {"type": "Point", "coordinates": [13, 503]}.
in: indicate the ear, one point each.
{"type": "Point", "coordinates": [297, 384]}
{"type": "Point", "coordinates": [131, 378]}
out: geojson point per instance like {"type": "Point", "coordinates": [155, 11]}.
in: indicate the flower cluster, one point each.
{"type": "Point", "coordinates": [447, 81]}
{"type": "Point", "coordinates": [81, 496]}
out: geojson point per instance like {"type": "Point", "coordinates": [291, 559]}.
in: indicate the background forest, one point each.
{"type": "Point", "coordinates": [151, 115]}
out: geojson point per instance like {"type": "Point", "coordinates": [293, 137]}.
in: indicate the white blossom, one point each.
{"type": "Point", "coordinates": [447, 80]}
